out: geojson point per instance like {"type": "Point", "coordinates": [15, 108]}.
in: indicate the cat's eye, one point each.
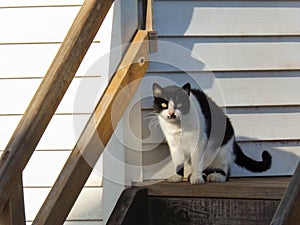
{"type": "Point", "coordinates": [179, 105]}
{"type": "Point", "coordinates": [164, 105]}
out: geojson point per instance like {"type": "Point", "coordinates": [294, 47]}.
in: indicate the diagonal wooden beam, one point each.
{"type": "Point", "coordinates": [14, 211]}
{"type": "Point", "coordinates": [288, 212]}
{"type": "Point", "coordinates": [48, 96]}
{"type": "Point", "coordinates": [96, 134]}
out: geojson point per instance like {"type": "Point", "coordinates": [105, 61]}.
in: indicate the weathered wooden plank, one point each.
{"type": "Point", "coordinates": [227, 18]}
{"type": "Point", "coordinates": [226, 54]}
{"type": "Point", "coordinates": [131, 208]}
{"type": "Point", "coordinates": [235, 188]}
{"type": "Point", "coordinates": [207, 211]}
{"type": "Point", "coordinates": [289, 208]}
{"type": "Point", "coordinates": [97, 133]}
{"type": "Point", "coordinates": [49, 94]}
{"type": "Point", "coordinates": [14, 211]}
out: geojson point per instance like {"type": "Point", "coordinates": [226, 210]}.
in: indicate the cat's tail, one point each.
{"type": "Point", "coordinates": [254, 166]}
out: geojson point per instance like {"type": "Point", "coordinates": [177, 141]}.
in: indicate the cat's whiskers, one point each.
{"type": "Point", "coordinates": [153, 120]}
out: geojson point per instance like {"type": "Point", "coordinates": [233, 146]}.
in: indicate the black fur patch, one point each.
{"type": "Point", "coordinates": [180, 170]}
{"type": "Point", "coordinates": [208, 171]}
{"type": "Point", "coordinates": [214, 118]}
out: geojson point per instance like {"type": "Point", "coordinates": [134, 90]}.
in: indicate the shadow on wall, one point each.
{"type": "Point", "coordinates": [285, 156]}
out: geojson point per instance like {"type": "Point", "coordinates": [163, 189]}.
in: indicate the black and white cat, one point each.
{"type": "Point", "coordinates": [200, 136]}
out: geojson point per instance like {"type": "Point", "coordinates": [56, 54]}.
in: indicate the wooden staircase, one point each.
{"type": "Point", "coordinates": [241, 201]}
{"type": "Point", "coordinates": [98, 130]}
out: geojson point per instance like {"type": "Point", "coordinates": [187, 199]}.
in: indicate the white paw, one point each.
{"type": "Point", "coordinates": [216, 177]}
{"type": "Point", "coordinates": [194, 179]}
{"type": "Point", "coordinates": [175, 178]}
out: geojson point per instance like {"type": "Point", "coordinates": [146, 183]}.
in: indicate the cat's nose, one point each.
{"type": "Point", "coordinates": [172, 116]}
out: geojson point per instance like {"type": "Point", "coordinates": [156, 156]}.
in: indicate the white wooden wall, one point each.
{"type": "Point", "coordinates": [246, 56]}
{"type": "Point", "coordinates": [31, 33]}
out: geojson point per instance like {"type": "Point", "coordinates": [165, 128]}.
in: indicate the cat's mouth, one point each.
{"type": "Point", "coordinates": [172, 118]}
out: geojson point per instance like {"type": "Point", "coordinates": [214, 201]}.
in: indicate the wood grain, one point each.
{"type": "Point", "coordinates": [49, 94]}
{"type": "Point", "coordinates": [14, 211]}
{"type": "Point", "coordinates": [237, 188]}
{"type": "Point", "coordinates": [131, 208]}
{"type": "Point", "coordinates": [289, 208]}
{"type": "Point", "coordinates": [96, 134]}
{"type": "Point", "coordinates": [208, 211]}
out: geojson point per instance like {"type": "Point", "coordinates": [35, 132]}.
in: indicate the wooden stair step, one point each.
{"type": "Point", "coordinates": [241, 201]}
{"type": "Point", "coordinates": [253, 188]}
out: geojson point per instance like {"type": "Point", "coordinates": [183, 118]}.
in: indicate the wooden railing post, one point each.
{"type": "Point", "coordinates": [288, 212]}
{"type": "Point", "coordinates": [48, 96]}
{"type": "Point", "coordinates": [14, 212]}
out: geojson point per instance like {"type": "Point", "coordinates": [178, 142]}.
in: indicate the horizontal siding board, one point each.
{"type": "Point", "coordinates": [46, 24]}
{"type": "Point", "coordinates": [225, 54]}
{"type": "Point", "coordinates": [16, 60]}
{"type": "Point", "coordinates": [44, 167]}
{"type": "Point", "coordinates": [90, 198]}
{"type": "Point", "coordinates": [23, 3]}
{"type": "Point", "coordinates": [286, 156]}
{"type": "Point", "coordinates": [243, 89]}
{"type": "Point", "coordinates": [74, 101]}
{"type": "Point", "coordinates": [62, 132]}
{"type": "Point", "coordinates": [248, 126]}
{"type": "Point", "coordinates": [226, 18]}
{"type": "Point", "coordinates": [266, 126]}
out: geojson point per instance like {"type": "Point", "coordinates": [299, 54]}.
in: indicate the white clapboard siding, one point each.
{"type": "Point", "coordinates": [243, 89]}
{"type": "Point", "coordinates": [62, 132]}
{"type": "Point", "coordinates": [226, 54]}
{"type": "Point", "coordinates": [87, 207]}
{"type": "Point", "coordinates": [33, 60]}
{"type": "Point", "coordinates": [44, 167]}
{"type": "Point", "coordinates": [37, 24]}
{"type": "Point", "coordinates": [248, 126]}
{"type": "Point", "coordinates": [157, 163]}
{"type": "Point", "coordinates": [26, 3]}
{"type": "Point", "coordinates": [227, 18]}
{"type": "Point", "coordinates": [81, 96]}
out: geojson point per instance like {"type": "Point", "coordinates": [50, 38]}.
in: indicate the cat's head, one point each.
{"type": "Point", "coordinates": [171, 102]}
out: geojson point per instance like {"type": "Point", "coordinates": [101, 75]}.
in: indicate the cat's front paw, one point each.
{"type": "Point", "coordinates": [216, 177]}
{"type": "Point", "coordinates": [176, 178]}
{"type": "Point", "coordinates": [195, 179]}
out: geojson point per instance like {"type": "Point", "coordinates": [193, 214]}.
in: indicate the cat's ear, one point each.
{"type": "Point", "coordinates": [157, 90]}
{"type": "Point", "coordinates": [187, 88]}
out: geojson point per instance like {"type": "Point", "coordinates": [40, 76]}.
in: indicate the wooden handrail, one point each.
{"type": "Point", "coordinates": [96, 134]}
{"type": "Point", "coordinates": [49, 94]}
{"type": "Point", "coordinates": [288, 212]}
